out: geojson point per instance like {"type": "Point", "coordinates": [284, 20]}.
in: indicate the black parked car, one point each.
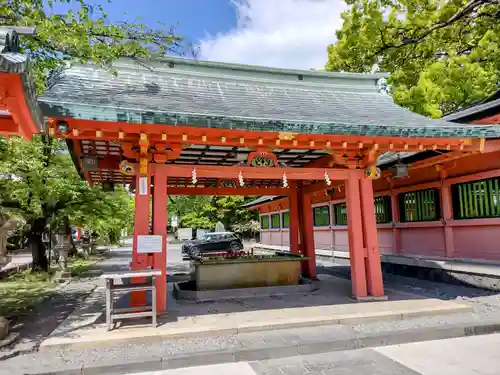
{"type": "Point", "coordinates": [213, 242]}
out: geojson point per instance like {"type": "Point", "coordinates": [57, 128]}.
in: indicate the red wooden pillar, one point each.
{"type": "Point", "coordinates": [293, 214]}
{"type": "Point", "coordinates": [373, 266]}
{"type": "Point", "coordinates": [447, 207]}
{"type": "Point", "coordinates": [396, 232]}
{"type": "Point", "coordinates": [308, 266]}
{"type": "Point", "coordinates": [355, 231]}
{"type": "Point", "coordinates": [141, 227]}
{"type": "Point", "coordinates": [160, 228]}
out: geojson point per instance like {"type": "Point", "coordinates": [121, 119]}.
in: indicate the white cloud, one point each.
{"type": "Point", "coordinates": [278, 33]}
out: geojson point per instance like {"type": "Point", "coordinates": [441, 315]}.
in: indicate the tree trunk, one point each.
{"type": "Point", "coordinates": [36, 246]}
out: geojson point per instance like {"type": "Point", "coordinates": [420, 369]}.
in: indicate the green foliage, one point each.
{"type": "Point", "coordinates": [201, 212]}
{"type": "Point", "coordinates": [230, 212]}
{"type": "Point", "coordinates": [108, 216]}
{"type": "Point", "coordinates": [83, 33]}
{"type": "Point", "coordinates": [441, 55]}
{"type": "Point", "coordinates": [40, 182]}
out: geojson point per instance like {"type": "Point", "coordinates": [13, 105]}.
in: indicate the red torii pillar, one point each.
{"type": "Point", "coordinates": [141, 227]}
{"type": "Point", "coordinates": [307, 235]}
{"type": "Point", "coordinates": [364, 253]}
{"type": "Point", "coordinates": [160, 228]}
{"type": "Point", "coordinates": [373, 267]}
{"type": "Point", "coordinates": [293, 214]}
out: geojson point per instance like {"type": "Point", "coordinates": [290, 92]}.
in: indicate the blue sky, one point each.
{"type": "Point", "coordinates": [195, 18]}
{"type": "Point", "coordinates": [279, 33]}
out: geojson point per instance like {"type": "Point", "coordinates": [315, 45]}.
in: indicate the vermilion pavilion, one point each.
{"type": "Point", "coordinates": [184, 127]}
{"type": "Point", "coordinates": [19, 114]}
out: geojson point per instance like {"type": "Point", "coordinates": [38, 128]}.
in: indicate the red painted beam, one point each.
{"type": "Point", "coordinates": [213, 171]}
{"type": "Point", "coordinates": [312, 188]}
{"type": "Point", "coordinates": [243, 191]}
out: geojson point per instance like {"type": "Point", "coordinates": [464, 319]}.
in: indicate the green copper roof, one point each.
{"type": "Point", "coordinates": [206, 94]}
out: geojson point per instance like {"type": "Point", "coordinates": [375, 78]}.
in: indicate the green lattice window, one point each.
{"type": "Point", "coordinates": [476, 199]}
{"type": "Point", "coordinates": [420, 205]}
{"type": "Point", "coordinates": [321, 216]}
{"type": "Point", "coordinates": [340, 212]}
{"type": "Point", "coordinates": [264, 222]}
{"type": "Point", "coordinates": [275, 221]}
{"type": "Point", "coordinates": [285, 219]}
{"type": "Point", "coordinates": [383, 211]}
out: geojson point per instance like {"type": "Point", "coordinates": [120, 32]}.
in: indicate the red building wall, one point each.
{"type": "Point", "coordinates": [447, 237]}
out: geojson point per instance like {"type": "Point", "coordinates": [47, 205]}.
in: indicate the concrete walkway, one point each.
{"type": "Point", "coordinates": [72, 335]}
{"type": "Point", "coordinates": [457, 356]}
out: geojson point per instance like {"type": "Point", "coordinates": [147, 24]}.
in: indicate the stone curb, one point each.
{"type": "Point", "coordinates": [305, 347]}
{"type": "Point", "coordinates": [274, 325]}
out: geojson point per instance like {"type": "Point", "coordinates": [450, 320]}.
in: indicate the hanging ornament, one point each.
{"type": "Point", "coordinates": [240, 179]}
{"type": "Point", "coordinates": [327, 179]}
{"type": "Point", "coordinates": [285, 180]}
{"type": "Point", "coordinates": [193, 176]}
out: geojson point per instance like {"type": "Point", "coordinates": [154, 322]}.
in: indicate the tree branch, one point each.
{"type": "Point", "coordinates": [466, 10]}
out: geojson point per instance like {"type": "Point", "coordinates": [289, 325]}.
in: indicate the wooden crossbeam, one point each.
{"type": "Point", "coordinates": [231, 172]}
{"type": "Point", "coordinates": [243, 191]}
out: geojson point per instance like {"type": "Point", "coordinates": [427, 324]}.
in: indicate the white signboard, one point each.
{"type": "Point", "coordinates": [143, 186]}
{"type": "Point", "coordinates": [201, 232]}
{"type": "Point", "coordinates": [149, 244]}
{"type": "Point", "coordinates": [175, 221]}
{"type": "Point", "coordinates": [185, 233]}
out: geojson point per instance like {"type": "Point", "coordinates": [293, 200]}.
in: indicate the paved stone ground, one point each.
{"type": "Point", "coordinates": [275, 343]}
{"type": "Point", "coordinates": [354, 362]}
{"type": "Point", "coordinates": [486, 307]}
{"type": "Point", "coordinates": [459, 356]}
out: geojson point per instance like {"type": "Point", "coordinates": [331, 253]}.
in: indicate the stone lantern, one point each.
{"type": "Point", "coordinates": [86, 243]}
{"type": "Point", "coordinates": [63, 247]}
{"type": "Point", "coordinates": [6, 225]}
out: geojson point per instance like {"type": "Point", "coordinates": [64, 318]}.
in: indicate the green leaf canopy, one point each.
{"type": "Point", "coordinates": [442, 55]}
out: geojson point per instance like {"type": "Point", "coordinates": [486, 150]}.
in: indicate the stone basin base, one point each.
{"type": "Point", "coordinates": [278, 270]}
{"type": "Point", "coordinates": [187, 291]}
